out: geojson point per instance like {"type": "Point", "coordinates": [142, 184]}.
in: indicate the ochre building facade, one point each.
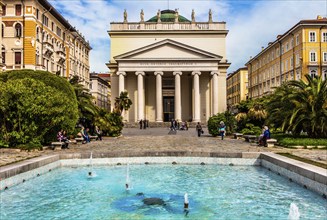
{"type": "Point", "coordinates": [36, 36]}
{"type": "Point", "coordinates": [237, 87]}
{"type": "Point", "coordinates": [171, 67]}
{"type": "Point", "coordinates": [300, 51]}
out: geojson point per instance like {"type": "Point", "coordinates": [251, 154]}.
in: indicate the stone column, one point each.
{"type": "Point", "coordinates": [196, 103]}
{"type": "Point", "coordinates": [121, 86]}
{"type": "Point", "coordinates": [214, 92]}
{"type": "Point", "coordinates": [178, 102]}
{"type": "Point", "coordinates": [158, 96]}
{"type": "Point", "coordinates": [140, 95]}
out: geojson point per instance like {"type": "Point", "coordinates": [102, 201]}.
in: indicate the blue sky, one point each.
{"type": "Point", "coordinates": [251, 24]}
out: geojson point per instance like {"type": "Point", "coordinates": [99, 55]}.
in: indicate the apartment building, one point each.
{"type": "Point", "coordinates": [99, 88]}
{"type": "Point", "coordinates": [237, 87]}
{"type": "Point", "coordinates": [299, 51]}
{"type": "Point", "coordinates": [36, 36]}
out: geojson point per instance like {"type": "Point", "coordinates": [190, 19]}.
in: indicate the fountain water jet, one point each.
{"type": "Point", "coordinates": [186, 204]}
{"type": "Point", "coordinates": [127, 184]}
{"type": "Point", "coordinates": [91, 173]}
{"type": "Point", "coordinates": [294, 213]}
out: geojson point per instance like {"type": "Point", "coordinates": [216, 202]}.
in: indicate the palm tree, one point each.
{"type": "Point", "coordinates": [303, 106]}
{"type": "Point", "coordinates": [310, 100]}
{"type": "Point", "coordinates": [122, 102]}
{"type": "Point", "coordinates": [280, 107]}
{"type": "Point", "coordinates": [86, 107]}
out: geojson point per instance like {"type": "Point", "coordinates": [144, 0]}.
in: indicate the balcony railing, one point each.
{"type": "Point", "coordinates": [136, 26]}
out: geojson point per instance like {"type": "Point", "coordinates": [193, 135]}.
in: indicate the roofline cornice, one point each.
{"type": "Point", "coordinates": [278, 40]}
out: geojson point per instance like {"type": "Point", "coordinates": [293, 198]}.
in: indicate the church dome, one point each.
{"type": "Point", "coordinates": [168, 16]}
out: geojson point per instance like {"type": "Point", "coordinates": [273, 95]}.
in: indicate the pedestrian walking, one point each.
{"type": "Point", "coordinates": [222, 129]}
{"type": "Point", "coordinates": [199, 129]}
{"type": "Point", "coordinates": [141, 123]}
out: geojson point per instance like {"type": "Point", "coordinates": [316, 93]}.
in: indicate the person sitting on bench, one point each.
{"type": "Point", "coordinates": [61, 136]}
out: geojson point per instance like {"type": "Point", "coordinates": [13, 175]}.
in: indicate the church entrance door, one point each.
{"type": "Point", "coordinates": [168, 108]}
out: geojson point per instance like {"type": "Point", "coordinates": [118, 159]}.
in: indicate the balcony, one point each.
{"type": "Point", "coordinates": [48, 49]}
{"type": "Point", "coordinates": [61, 55]}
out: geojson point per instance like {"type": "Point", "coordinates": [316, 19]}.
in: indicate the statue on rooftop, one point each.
{"type": "Point", "coordinates": [142, 15]}
{"type": "Point", "coordinates": [176, 15]}
{"type": "Point", "coordinates": [125, 15]}
{"type": "Point", "coordinates": [193, 15]}
{"type": "Point", "coordinates": [159, 15]}
{"type": "Point", "coordinates": [210, 15]}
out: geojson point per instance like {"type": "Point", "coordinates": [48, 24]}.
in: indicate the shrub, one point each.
{"type": "Point", "coordinates": [251, 129]}
{"type": "Point", "coordinates": [110, 123]}
{"type": "Point", "coordinates": [32, 110]}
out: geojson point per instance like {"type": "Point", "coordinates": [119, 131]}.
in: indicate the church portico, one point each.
{"type": "Point", "coordinates": [170, 80]}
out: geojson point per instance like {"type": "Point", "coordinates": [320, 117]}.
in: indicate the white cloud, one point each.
{"type": "Point", "coordinates": [252, 24]}
{"type": "Point", "coordinates": [252, 29]}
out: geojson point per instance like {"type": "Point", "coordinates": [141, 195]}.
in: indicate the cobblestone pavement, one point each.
{"type": "Point", "coordinates": [159, 139]}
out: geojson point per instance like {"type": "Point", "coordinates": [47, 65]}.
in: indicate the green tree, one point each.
{"type": "Point", "coordinates": [303, 106]}
{"type": "Point", "coordinates": [122, 102]}
{"type": "Point", "coordinates": [227, 118]}
{"type": "Point", "coordinates": [31, 112]}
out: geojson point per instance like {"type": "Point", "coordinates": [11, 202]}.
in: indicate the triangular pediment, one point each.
{"type": "Point", "coordinates": [167, 49]}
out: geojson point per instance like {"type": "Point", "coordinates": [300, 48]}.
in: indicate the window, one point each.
{"type": "Point", "coordinates": [18, 10]}
{"type": "Point", "coordinates": [286, 65]}
{"type": "Point", "coordinates": [37, 14]}
{"type": "Point", "coordinates": [64, 36]}
{"type": "Point", "coordinates": [291, 62]}
{"type": "Point", "coordinates": [287, 47]}
{"type": "Point", "coordinates": [18, 58]}
{"type": "Point", "coordinates": [324, 75]}
{"type": "Point", "coordinates": [313, 73]}
{"type": "Point", "coordinates": [297, 59]}
{"type": "Point", "coordinates": [45, 20]}
{"type": "Point", "coordinates": [324, 37]}
{"type": "Point", "coordinates": [3, 10]}
{"type": "Point", "coordinates": [324, 57]}
{"type": "Point", "coordinates": [52, 26]}
{"type": "Point", "coordinates": [37, 33]}
{"type": "Point", "coordinates": [3, 53]}
{"type": "Point", "coordinates": [298, 75]}
{"type": "Point", "coordinates": [18, 30]}
{"type": "Point", "coordinates": [312, 36]}
{"type": "Point", "coordinates": [297, 40]}
{"type": "Point", "coordinates": [2, 30]}
{"type": "Point", "coordinates": [313, 57]}
{"type": "Point", "coordinates": [58, 31]}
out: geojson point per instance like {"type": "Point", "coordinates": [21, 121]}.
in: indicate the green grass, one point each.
{"type": "Point", "coordinates": [315, 163]}
{"type": "Point", "coordinates": [287, 140]}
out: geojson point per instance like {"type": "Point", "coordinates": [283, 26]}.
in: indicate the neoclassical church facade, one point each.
{"type": "Point", "coordinates": [171, 67]}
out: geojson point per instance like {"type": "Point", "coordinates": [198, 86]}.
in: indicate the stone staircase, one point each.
{"type": "Point", "coordinates": [159, 125]}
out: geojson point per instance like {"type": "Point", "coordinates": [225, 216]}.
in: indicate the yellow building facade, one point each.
{"type": "Point", "coordinates": [36, 36]}
{"type": "Point", "coordinates": [299, 51]}
{"type": "Point", "coordinates": [237, 87]}
{"type": "Point", "coordinates": [171, 67]}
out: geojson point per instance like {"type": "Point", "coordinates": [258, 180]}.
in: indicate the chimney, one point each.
{"type": "Point", "coordinates": [319, 17]}
{"type": "Point", "coordinates": [278, 36]}
{"type": "Point", "coordinates": [262, 48]}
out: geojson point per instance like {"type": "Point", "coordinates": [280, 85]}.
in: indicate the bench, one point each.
{"type": "Point", "coordinates": [250, 138]}
{"type": "Point", "coordinates": [271, 142]}
{"type": "Point", "coordinates": [93, 137]}
{"type": "Point", "coordinates": [238, 135]}
{"type": "Point", "coordinates": [54, 144]}
{"type": "Point", "coordinates": [79, 140]}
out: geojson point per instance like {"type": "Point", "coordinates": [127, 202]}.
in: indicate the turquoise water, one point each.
{"type": "Point", "coordinates": [215, 192]}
